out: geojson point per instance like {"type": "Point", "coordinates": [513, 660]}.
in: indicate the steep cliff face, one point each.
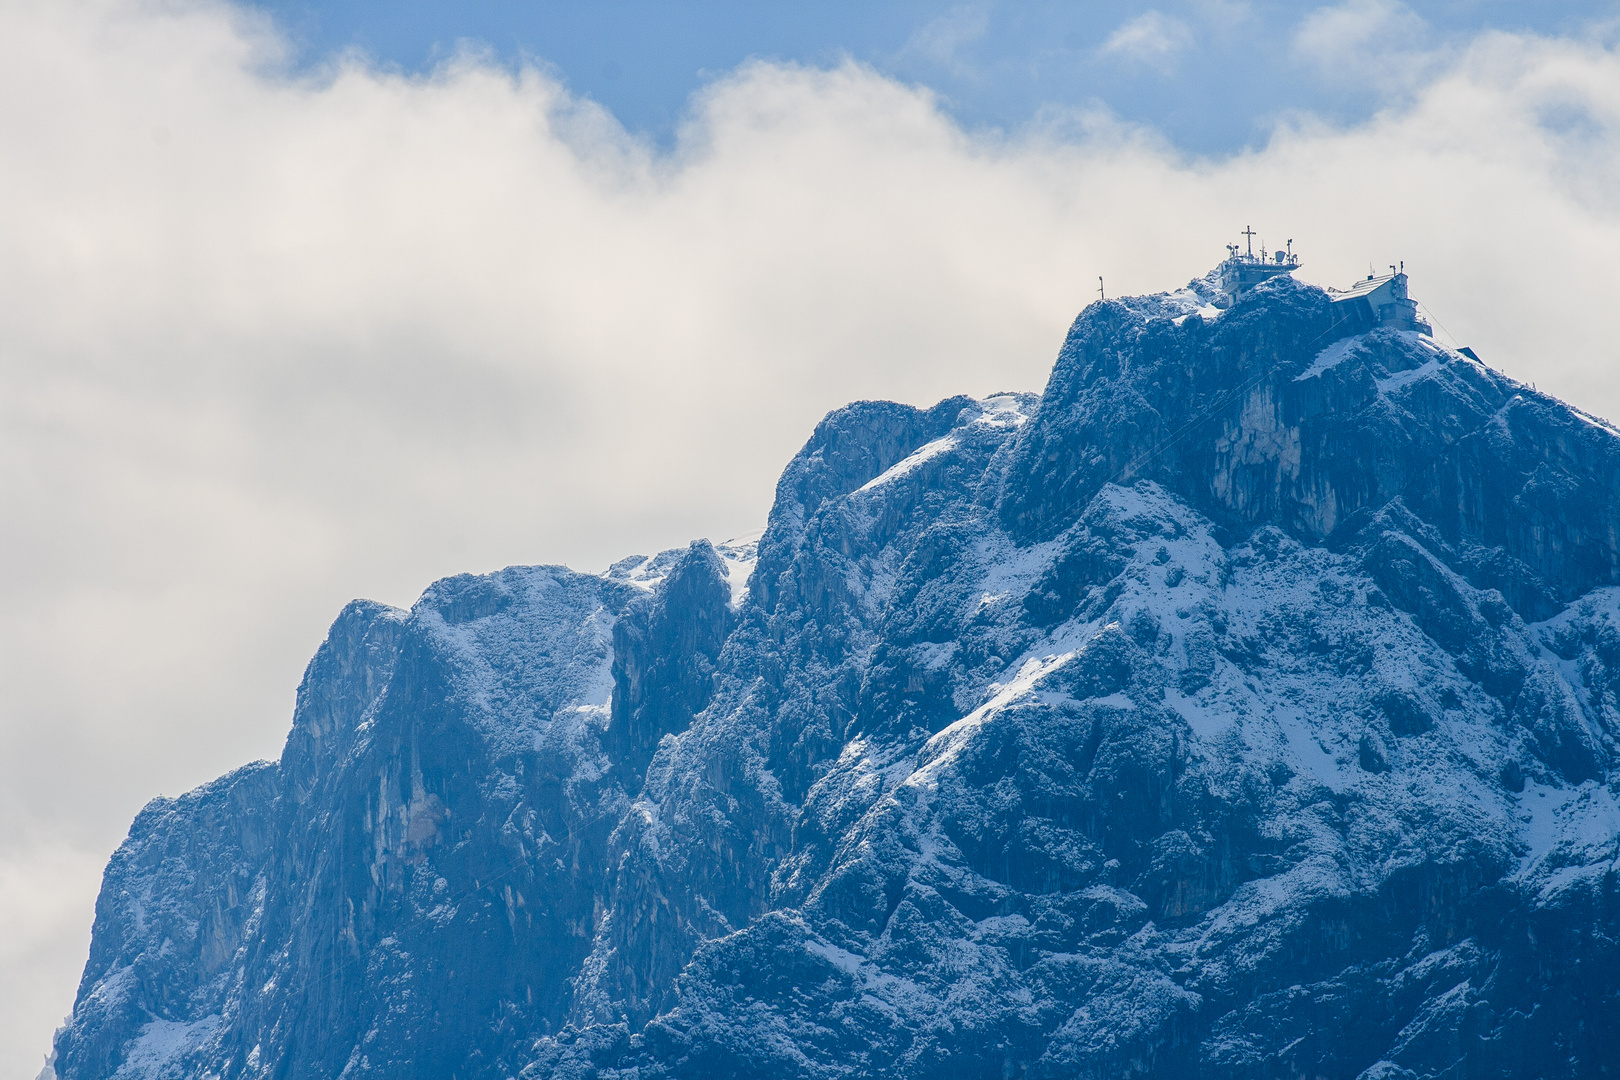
{"type": "Point", "coordinates": [1243, 706]}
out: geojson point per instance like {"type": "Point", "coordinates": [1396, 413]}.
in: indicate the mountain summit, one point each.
{"type": "Point", "coordinates": [1243, 706]}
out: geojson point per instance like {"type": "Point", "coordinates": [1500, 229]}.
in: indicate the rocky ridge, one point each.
{"type": "Point", "coordinates": [1244, 705]}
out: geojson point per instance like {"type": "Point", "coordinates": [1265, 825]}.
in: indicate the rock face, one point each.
{"type": "Point", "coordinates": [1245, 706]}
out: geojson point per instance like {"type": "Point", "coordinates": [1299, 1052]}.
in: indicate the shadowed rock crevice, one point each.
{"type": "Point", "coordinates": [664, 651]}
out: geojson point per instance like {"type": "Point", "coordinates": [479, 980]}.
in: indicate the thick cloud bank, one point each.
{"type": "Point", "coordinates": [268, 342]}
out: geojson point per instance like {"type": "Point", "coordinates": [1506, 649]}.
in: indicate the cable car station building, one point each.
{"type": "Point", "coordinates": [1377, 301]}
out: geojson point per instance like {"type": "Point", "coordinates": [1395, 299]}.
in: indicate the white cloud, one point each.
{"type": "Point", "coordinates": [1382, 45]}
{"type": "Point", "coordinates": [942, 39]}
{"type": "Point", "coordinates": [268, 344]}
{"type": "Point", "coordinates": [1152, 38]}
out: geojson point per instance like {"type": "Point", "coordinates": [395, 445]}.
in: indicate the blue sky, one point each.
{"type": "Point", "coordinates": [1211, 75]}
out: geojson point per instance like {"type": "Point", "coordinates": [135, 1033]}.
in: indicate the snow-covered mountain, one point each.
{"type": "Point", "coordinates": [1244, 706]}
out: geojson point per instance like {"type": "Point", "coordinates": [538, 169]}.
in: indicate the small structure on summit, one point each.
{"type": "Point", "coordinates": [1376, 301]}
{"type": "Point", "coordinates": [1241, 271]}
{"type": "Point", "coordinates": [1381, 300]}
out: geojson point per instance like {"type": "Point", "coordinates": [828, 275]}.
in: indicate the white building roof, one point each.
{"type": "Point", "coordinates": [1364, 287]}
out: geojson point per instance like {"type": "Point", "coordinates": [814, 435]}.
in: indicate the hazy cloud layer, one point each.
{"type": "Point", "coordinates": [268, 344]}
{"type": "Point", "coordinates": [1153, 38]}
{"type": "Point", "coordinates": [1379, 45]}
{"type": "Point", "coordinates": [942, 38]}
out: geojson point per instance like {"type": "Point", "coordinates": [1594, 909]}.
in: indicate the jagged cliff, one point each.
{"type": "Point", "coordinates": [1243, 706]}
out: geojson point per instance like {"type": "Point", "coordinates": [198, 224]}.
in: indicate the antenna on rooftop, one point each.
{"type": "Point", "coordinates": [1243, 270]}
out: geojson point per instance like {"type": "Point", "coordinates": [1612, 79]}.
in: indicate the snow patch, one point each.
{"type": "Point", "coordinates": [1003, 411]}
{"type": "Point", "coordinates": [1576, 822]}
{"type": "Point", "coordinates": [1208, 312]}
{"type": "Point", "coordinates": [869, 975]}
{"type": "Point", "coordinates": [1306, 745]}
{"type": "Point", "coordinates": [955, 736]}
{"type": "Point", "coordinates": [926, 452]}
{"type": "Point", "coordinates": [739, 554]}
{"type": "Point", "coordinates": [1410, 376]}
{"type": "Point", "coordinates": [1595, 421]}
{"type": "Point", "coordinates": [1330, 357]}
{"type": "Point", "coordinates": [158, 1052]}
{"type": "Point", "coordinates": [1206, 722]}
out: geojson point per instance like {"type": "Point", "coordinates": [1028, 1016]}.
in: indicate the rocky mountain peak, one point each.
{"type": "Point", "coordinates": [1244, 705]}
